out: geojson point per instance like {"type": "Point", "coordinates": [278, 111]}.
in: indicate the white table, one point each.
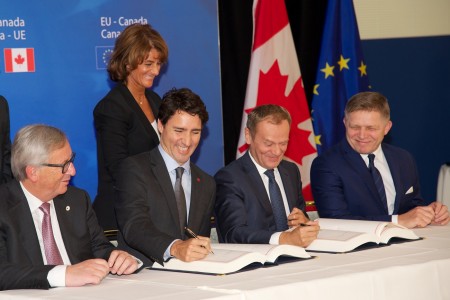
{"type": "Point", "coordinates": [412, 270]}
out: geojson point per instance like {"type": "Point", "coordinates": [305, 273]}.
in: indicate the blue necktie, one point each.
{"type": "Point", "coordinates": [377, 180]}
{"type": "Point", "coordinates": [279, 213]}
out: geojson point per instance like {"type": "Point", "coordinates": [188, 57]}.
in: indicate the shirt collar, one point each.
{"type": "Point", "coordinates": [379, 155]}
{"type": "Point", "coordinates": [32, 200]}
{"type": "Point", "coordinates": [171, 164]}
{"type": "Point", "coordinates": [260, 169]}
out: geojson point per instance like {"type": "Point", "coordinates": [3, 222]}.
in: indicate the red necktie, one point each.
{"type": "Point", "coordinates": [50, 247]}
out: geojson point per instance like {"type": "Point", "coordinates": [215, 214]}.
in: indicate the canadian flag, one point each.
{"type": "Point", "coordinates": [274, 78]}
{"type": "Point", "coordinates": [19, 60]}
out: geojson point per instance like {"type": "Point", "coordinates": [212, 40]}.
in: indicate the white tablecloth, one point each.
{"type": "Point", "coordinates": [412, 270]}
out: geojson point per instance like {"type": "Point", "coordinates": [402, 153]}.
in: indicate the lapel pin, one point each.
{"type": "Point", "coordinates": [67, 208]}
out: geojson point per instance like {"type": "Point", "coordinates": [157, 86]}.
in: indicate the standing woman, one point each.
{"type": "Point", "coordinates": [125, 119]}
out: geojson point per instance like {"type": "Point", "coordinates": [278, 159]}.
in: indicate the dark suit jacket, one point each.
{"type": "Point", "coordinates": [243, 210]}
{"type": "Point", "coordinates": [122, 130]}
{"type": "Point", "coordinates": [21, 263]}
{"type": "Point", "coordinates": [5, 142]}
{"type": "Point", "coordinates": [343, 187]}
{"type": "Point", "coordinates": [146, 208]}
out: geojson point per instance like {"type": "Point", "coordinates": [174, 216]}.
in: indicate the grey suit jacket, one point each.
{"type": "Point", "coordinates": [146, 208]}
{"type": "Point", "coordinates": [21, 263]}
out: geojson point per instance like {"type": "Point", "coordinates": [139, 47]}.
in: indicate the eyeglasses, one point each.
{"type": "Point", "coordinates": [65, 166]}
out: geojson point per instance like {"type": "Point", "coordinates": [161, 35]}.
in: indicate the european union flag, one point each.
{"type": "Point", "coordinates": [102, 56]}
{"type": "Point", "coordinates": [341, 73]}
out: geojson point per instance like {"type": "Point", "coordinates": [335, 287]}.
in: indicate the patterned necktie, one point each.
{"type": "Point", "coordinates": [51, 249]}
{"type": "Point", "coordinates": [181, 200]}
{"type": "Point", "coordinates": [279, 212]}
{"type": "Point", "coordinates": [378, 180]}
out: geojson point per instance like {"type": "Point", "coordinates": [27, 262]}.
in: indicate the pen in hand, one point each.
{"type": "Point", "coordinates": [193, 235]}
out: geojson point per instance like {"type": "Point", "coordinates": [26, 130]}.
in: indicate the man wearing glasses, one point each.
{"type": "Point", "coordinates": [49, 235]}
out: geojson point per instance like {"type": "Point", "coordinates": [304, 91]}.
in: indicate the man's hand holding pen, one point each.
{"type": "Point", "coordinates": [296, 217]}
{"type": "Point", "coordinates": [195, 248]}
{"type": "Point", "coordinates": [302, 231]}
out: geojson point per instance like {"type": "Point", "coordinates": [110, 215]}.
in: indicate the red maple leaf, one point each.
{"type": "Point", "coordinates": [271, 88]}
{"type": "Point", "coordinates": [19, 59]}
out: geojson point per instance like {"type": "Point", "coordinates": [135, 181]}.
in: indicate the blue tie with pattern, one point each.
{"type": "Point", "coordinates": [378, 180]}
{"type": "Point", "coordinates": [279, 212]}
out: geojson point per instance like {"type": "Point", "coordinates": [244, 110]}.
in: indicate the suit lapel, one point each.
{"type": "Point", "coordinates": [65, 222]}
{"type": "Point", "coordinates": [197, 206]}
{"type": "Point", "coordinates": [395, 173]}
{"type": "Point", "coordinates": [356, 162]}
{"type": "Point", "coordinates": [160, 173]}
{"type": "Point", "coordinates": [291, 197]}
{"type": "Point", "coordinates": [138, 111]}
{"type": "Point", "coordinates": [256, 182]}
{"type": "Point", "coordinates": [20, 213]}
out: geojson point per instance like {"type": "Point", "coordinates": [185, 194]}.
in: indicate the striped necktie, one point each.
{"type": "Point", "coordinates": [378, 180]}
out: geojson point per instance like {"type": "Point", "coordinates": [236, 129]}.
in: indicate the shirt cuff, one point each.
{"type": "Point", "coordinates": [167, 252]}
{"type": "Point", "coordinates": [394, 219]}
{"type": "Point", "coordinates": [57, 276]}
{"type": "Point", "coordinates": [275, 238]}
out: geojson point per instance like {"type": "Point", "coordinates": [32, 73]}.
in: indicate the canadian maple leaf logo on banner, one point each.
{"type": "Point", "coordinates": [274, 78]}
{"type": "Point", "coordinates": [19, 60]}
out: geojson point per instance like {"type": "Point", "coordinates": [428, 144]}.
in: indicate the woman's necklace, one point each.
{"type": "Point", "coordinates": [140, 101]}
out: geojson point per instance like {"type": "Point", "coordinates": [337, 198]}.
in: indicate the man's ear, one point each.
{"type": "Point", "coordinates": [387, 127]}
{"type": "Point", "coordinates": [160, 126]}
{"type": "Point", "coordinates": [32, 173]}
{"type": "Point", "coordinates": [248, 137]}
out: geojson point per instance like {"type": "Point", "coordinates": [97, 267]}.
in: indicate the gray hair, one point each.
{"type": "Point", "coordinates": [32, 147]}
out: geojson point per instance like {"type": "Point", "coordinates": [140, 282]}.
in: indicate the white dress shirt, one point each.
{"type": "Point", "coordinates": [274, 238]}
{"type": "Point", "coordinates": [57, 276]}
{"type": "Point", "coordinates": [382, 166]}
{"type": "Point", "coordinates": [171, 166]}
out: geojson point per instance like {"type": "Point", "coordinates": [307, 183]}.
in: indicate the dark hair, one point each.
{"type": "Point", "coordinates": [368, 101]}
{"type": "Point", "coordinates": [182, 99]}
{"type": "Point", "coordinates": [274, 113]}
{"type": "Point", "coordinates": [132, 48]}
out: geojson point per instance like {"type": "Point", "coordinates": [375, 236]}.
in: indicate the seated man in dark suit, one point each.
{"type": "Point", "coordinates": [161, 192]}
{"type": "Point", "coordinates": [363, 178]}
{"type": "Point", "coordinates": [260, 195]}
{"type": "Point", "coordinates": [5, 142]}
{"type": "Point", "coordinates": [49, 235]}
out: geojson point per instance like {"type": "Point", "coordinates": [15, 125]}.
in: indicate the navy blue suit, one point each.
{"type": "Point", "coordinates": [243, 210]}
{"type": "Point", "coordinates": [343, 188]}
